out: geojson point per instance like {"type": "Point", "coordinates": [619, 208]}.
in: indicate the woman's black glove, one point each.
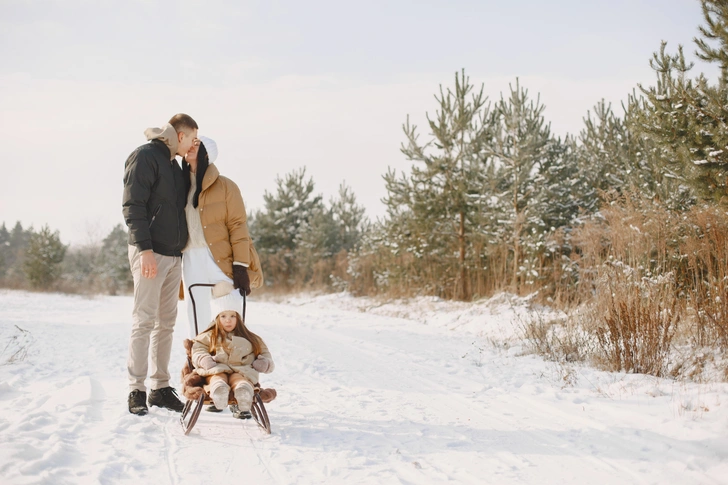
{"type": "Point", "coordinates": [241, 279]}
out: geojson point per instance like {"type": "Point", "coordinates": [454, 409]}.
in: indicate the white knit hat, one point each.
{"type": "Point", "coordinates": [210, 146]}
{"type": "Point", "coordinates": [230, 301]}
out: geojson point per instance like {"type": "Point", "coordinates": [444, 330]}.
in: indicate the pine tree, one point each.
{"type": "Point", "coordinates": [616, 159]}
{"type": "Point", "coordinates": [715, 13]}
{"type": "Point", "coordinates": [433, 210]}
{"type": "Point", "coordinates": [562, 190]}
{"type": "Point", "coordinates": [43, 258]}
{"type": "Point", "coordinates": [4, 249]}
{"type": "Point", "coordinates": [14, 253]}
{"type": "Point", "coordinates": [80, 266]}
{"type": "Point", "coordinates": [317, 241]}
{"type": "Point", "coordinates": [605, 152]}
{"type": "Point", "coordinates": [276, 228]}
{"type": "Point", "coordinates": [688, 119]}
{"type": "Point", "coordinates": [522, 146]}
{"type": "Point", "coordinates": [330, 230]}
{"type": "Point", "coordinates": [114, 261]}
{"type": "Point", "coordinates": [349, 218]}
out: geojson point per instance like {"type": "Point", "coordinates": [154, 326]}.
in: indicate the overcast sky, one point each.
{"type": "Point", "coordinates": [286, 84]}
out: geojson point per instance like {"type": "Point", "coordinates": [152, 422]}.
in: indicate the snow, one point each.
{"type": "Point", "coordinates": [419, 391]}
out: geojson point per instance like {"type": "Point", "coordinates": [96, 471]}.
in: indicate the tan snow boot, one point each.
{"type": "Point", "coordinates": [244, 396]}
{"type": "Point", "coordinates": [219, 394]}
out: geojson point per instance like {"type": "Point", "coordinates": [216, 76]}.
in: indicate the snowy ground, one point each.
{"type": "Point", "coordinates": [420, 392]}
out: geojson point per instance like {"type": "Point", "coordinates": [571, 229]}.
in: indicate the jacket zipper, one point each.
{"type": "Point", "coordinates": [154, 215]}
{"type": "Point", "coordinates": [174, 184]}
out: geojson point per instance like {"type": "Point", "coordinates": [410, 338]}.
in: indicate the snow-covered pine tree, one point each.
{"type": "Point", "coordinates": [650, 176]}
{"type": "Point", "coordinates": [349, 217]}
{"type": "Point", "coordinates": [317, 241]}
{"type": "Point", "coordinates": [276, 226]}
{"type": "Point", "coordinates": [275, 229]}
{"type": "Point", "coordinates": [521, 148]}
{"type": "Point", "coordinates": [616, 158]}
{"type": "Point", "coordinates": [562, 192]}
{"type": "Point", "coordinates": [604, 152]}
{"type": "Point", "coordinates": [688, 119]}
{"type": "Point", "coordinates": [432, 211]}
{"type": "Point", "coordinates": [327, 232]}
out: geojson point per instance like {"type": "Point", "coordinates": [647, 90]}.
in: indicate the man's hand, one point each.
{"type": "Point", "coordinates": [148, 264]}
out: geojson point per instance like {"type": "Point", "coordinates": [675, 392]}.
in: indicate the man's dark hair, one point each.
{"type": "Point", "coordinates": [181, 120]}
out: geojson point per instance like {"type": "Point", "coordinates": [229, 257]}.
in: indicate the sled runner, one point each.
{"type": "Point", "coordinates": [197, 397]}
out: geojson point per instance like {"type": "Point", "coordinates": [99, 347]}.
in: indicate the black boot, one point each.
{"type": "Point", "coordinates": [138, 402]}
{"type": "Point", "coordinates": [238, 414]}
{"type": "Point", "coordinates": [166, 398]}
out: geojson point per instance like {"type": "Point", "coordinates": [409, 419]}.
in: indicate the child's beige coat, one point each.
{"type": "Point", "coordinates": [240, 358]}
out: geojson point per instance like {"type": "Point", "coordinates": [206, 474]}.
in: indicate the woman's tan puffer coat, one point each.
{"type": "Point", "coordinates": [224, 223]}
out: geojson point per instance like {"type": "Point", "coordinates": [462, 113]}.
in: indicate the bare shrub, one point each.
{"type": "Point", "coordinates": [635, 320]}
{"type": "Point", "coordinates": [15, 348]}
{"type": "Point", "coordinates": [561, 340]}
{"type": "Point", "coordinates": [359, 274]}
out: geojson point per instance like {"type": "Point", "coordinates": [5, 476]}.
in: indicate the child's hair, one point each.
{"type": "Point", "coordinates": [218, 334]}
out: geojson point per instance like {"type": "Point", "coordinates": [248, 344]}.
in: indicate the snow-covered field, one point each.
{"type": "Point", "coordinates": [420, 392]}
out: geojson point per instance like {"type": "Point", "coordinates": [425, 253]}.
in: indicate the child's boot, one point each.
{"type": "Point", "coordinates": [238, 414]}
{"type": "Point", "coordinates": [219, 393]}
{"type": "Point", "coordinates": [244, 396]}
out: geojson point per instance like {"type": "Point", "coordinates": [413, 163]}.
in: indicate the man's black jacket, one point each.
{"type": "Point", "coordinates": [154, 200]}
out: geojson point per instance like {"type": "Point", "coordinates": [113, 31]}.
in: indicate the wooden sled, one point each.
{"type": "Point", "coordinates": [194, 391]}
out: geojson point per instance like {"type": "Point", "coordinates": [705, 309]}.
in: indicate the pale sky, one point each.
{"type": "Point", "coordinates": [285, 84]}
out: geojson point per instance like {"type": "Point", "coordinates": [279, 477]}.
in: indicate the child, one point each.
{"type": "Point", "coordinates": [229, 355]}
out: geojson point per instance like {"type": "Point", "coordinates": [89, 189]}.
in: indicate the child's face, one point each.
{"type": "Point", "coordinates": [228, 320]}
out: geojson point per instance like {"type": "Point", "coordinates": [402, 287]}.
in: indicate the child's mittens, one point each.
{"type": "Point", "coordinates": [207, 362]}
{"type": "Point", "coordinates": [261, 364]}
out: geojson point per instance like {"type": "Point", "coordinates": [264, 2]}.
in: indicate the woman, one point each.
{"type": "Point", "coordinates": [219, 246]}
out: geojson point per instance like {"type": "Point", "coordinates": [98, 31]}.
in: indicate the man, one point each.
{"type": "Point", "coordinates": [154, 210]}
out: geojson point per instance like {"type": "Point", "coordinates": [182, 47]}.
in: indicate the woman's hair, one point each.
{"type": "Point", "coordinates": [218, 335]}
{"type": "Point", "coordinates": [203, 161]}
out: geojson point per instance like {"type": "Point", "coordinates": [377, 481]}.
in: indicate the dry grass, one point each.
{"type": "Point", "coordinates": [634, 321]}
{"type": "Point", "coordinates": [15, 347]}
{"type": "Point", "coordinates": [638, 281]}
{"type": "Point", "coordinates": [649, 280]}
{"type": "Point", "coordinates": [705, 273]}
{"type": "Point", "coordinates": [560, 340]}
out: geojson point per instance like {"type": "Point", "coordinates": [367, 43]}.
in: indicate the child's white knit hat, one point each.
{"type": "Point", "coordinates": [225, 298]}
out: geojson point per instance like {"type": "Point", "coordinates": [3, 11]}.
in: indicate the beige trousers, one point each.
{"type": "Point", "coordinates": [153, 318]}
